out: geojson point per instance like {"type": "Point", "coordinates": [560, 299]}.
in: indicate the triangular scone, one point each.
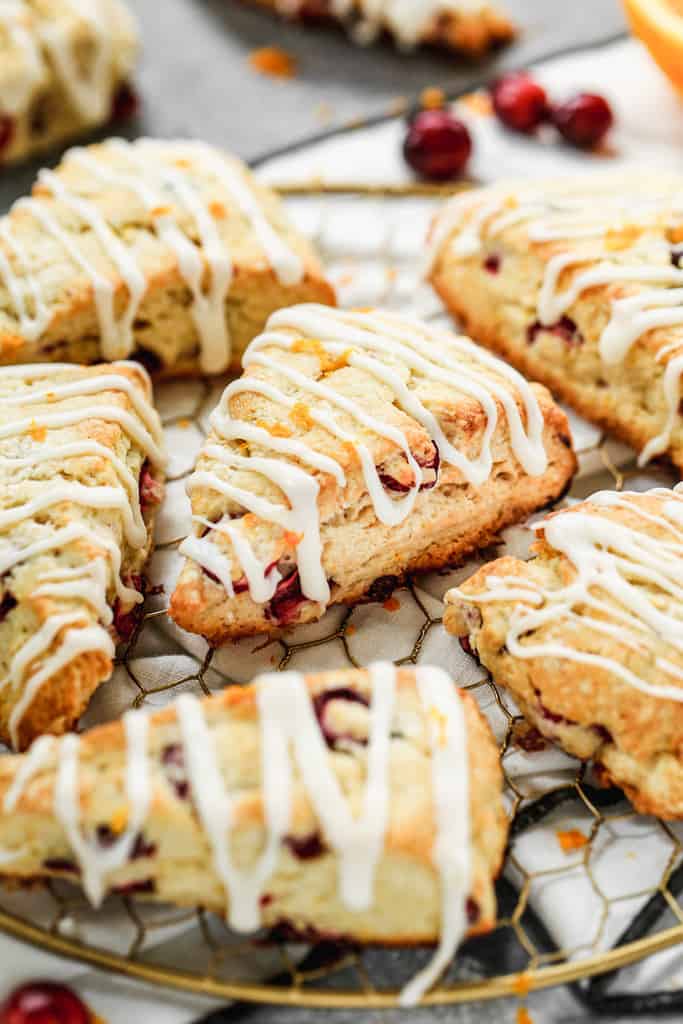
{"type": "Point", "coordinates": [81, 470]}
{"type": "Point", "coordinates": [167, 252]}
{"type": "Point", "coordinates": [579, 283]}
{"type": "Point", "coordinates": [356, 447]}
{"type": "Point", "coordinates": [588, 636]}
{"type": "Point", "coordinates": [462, 25]}
{"type": "Point", "coordinates": [355, 804]}
{"type": "Point", "coordinates": [63, 70]}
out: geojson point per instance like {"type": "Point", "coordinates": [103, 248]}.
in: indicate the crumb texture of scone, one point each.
{"type": "Point", "coordinates": [358, 804]}
{"type": "Point", "coordinates": [166, 252]}
{"type": "Point", "coordinates": [81, 476]}
{"type": "Point", "coordinates": [588, 637]}
{"type": "Point", "coordinates": [578, 282]}
{"type": "Point", "coordinates": [357, 446]}
{"type": "Point", "coordinates": [64, 64]}
{"type": "Point", "coordinates": [472, 27]}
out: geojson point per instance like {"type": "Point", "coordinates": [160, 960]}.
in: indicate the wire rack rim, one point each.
{"type": "Point", "coordinates": [486, 989]}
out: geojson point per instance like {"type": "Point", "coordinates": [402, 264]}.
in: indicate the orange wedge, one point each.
{"type": "Point", "coordinates": [659, 24]}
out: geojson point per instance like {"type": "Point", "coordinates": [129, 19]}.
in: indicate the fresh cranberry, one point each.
{"type": "Point", "coordinates": [520, 102]}
{"type": "Point", "coordinates": [150, 360]}
{"type": "Point", "coordinates": [306, 848]}
{"type": "Point", "coordinates": [583, 120]}
{"type": "Point", "coordinates": [437, 145]}
{"type": "Point", "coordinates": [285, 602]}
{"type": "Point", "coordinates": [320, 702]}
{"type": "Point", "coordinates": [677, 257]}
{"type": "Point", "coordinates": [44, 1002]}
{"type": "Point", "coordinates": [8, 602]}
{"type": "Point", "coordinates": [433, 462]}
{"type": "Point", "coordinates": [61, 864]}
{"type": "Point", "coordinates": [6, 132]}
{"type": "Point", "coordinates": [566, 329]}
{"type": "Point", "coordinates": [125, 104]}
{"type": "Point", "coordinates": [472, 910]}
{"type": "Point", "coordinates": [151, 489]}
{"type": "Point", "coordinates": [492, 263]}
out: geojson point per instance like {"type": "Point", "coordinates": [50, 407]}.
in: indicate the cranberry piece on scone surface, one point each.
{"type": "Point", "coordinates": [520, 102]}
{"type": "Point", "coordinates": [438, 145]}
{"type": "Point", "coordinates": [44, 1002]}
{"type": "Point", "coordinates": [125, 104]}
{"type": "Point", "coordinates": [6, 132]}
{"type": "Point", "coordinates": [584, 120]}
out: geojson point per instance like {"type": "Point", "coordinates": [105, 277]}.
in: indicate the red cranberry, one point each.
{"type": "Point", "coordinates": [308, 847]}
{"type": "Point", "coordinates": [286, 600]}
{"type": "Point", "coordinates": [8, 602]}
{"type": "Point", "coordinates": [44, 1002]}
{"type": "Point", "coordinates": [6, 131]}
{"type": "Point", "coordinates": [583, 120]}
{"type": "Point", "coordinates": [565, 328]}
{"type": "Point", "coordinates": [125, 623]}
{"type": "Point", "coordinates": [437, 145]}
{"type": "Point", "coordinates": [677, 258]}
{"type": "Point", "coordinates": [492, 263]}
{"type": "Point", "coordinates": [520, 102]}
{"type": "Point", "coordinates": [125, 103]}
{"type": "Point", "coordinates": [320, 702]}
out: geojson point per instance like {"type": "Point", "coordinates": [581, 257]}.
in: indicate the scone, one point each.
{"type": "Point", "coordinates": [588, 637]}
{"type": "Point", "coordinates": [579, 283]}
{"type": "Point", "coordinates": [166, 252]}
{"type": "Point", "coordinates": [81, 457]}
{"type": "Point", "coordinates": [355, 447]}
{"type": "Point", "coordinates": [468, 26]}
{"type": "Point", "coordinates": [362, 805]}
{"type": "Point", "coordinates": [64, 69]}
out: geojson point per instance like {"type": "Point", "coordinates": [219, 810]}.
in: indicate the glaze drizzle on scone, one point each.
{"type": "Point", "coordinates": [129, 218]}
{"type": "Point", "coordinates": [316, 374]}
{"type": "Point", "coordinates": [42, 53]}
{"type": "Point", "coordinates": [77, 449]}
{"type": "Point", "coordinates": [613, 242]}
{"type": "Point", "coordinates": [240, 820]}
{"type": "Point", "coordinates": [603, 593]}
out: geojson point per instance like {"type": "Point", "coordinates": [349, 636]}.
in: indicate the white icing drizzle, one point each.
{"type": "Point", "coordinates": [624, 572]}
{"type": "Point", "coordinates": [33, 664]}
{"type": "Point", "coordinates": [96, 861]}
{"type": "Point", "coordinates": [590, 218]}
{"type": "Point", "coordinates": [155, 172]}
{"type": "Point", "coordinates": [33, 762]}
{"type": "Point", "coordinates": [400, 352]}
{"type": "Point", "coordinates": [90, 93]}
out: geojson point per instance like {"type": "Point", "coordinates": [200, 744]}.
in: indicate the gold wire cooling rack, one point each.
{"type": "Point", "coordinates": [193, 951]}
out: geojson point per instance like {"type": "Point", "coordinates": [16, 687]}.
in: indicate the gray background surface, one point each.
{"type": "Point", "coordinates": [195, 80]}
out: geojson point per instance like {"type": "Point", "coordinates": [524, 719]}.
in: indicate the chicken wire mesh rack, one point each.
{"type": "Point", "coordinates": [571, 843]}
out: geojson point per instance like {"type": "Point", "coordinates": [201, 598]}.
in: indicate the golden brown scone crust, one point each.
{"type": "Point", "coordinates": [38, 101]}
{"type": "Point", "coordinates": [177, 864]}
{"type": "Point", "coordinates": [361, 555]}
{"type": "Point", "coordinates": [164, 334]}
{"type": "Point", "coordinates": [35, 588]}
{"type": "Point", "coordinates": [473, 32]}
{"type": "Point", "coordinates": [634, 738]}
{"type": "Point", "coordinates": [499, 306]}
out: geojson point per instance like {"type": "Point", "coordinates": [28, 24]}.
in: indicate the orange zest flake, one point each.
{"type": "Point", "coordinates": [291, 539]}
{"type": "Point", "coordinates": [311, 346]}
{"type": "Point", "coordinates": [37, 432]}
{"type": "Point", "coordinates": [571, 840]}
{"type": "Point", "coordinates": [160, 211]}
{"type": "Point", "coordinates": [119, 820]}
{"type": "Point", "coordinates": [432, 98]}
{"type": "Point", "coordinates": [478, 103]}
{"type": "Point", "coordinates": [218, 210]}
{"type": "Point", "coordinates": [523, 1016]}
{"type": "Point", "coordinates": [275, 429]}
{"type": "Point", "coordinates": [350, 630]}
{"type": "Point", "coordinates": [300, 415]}
{"type": "Point", "coordinates": [337, 362]}
{"type": "Point", "coordinates": [622, 238]}
{"type": "Point", "coordinates": [522, 984]}
{"type": "Point", "coordinates": [392, 604]}
{"type": "Point", "coordinates": [274, 61]}
{"type": "Point", "coordinates": [184, 423]}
